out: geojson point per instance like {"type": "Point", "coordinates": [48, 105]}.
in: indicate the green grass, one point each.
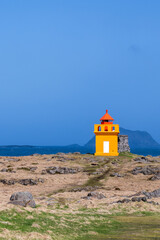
{"type": "Point", "coordinates": [95, 181]}
{"type": "Point", "coordinates": [127, 154]}
{"type": "Point", "coordinates": [90, 169]}
{"type": "Point", "coordinates": [85, 224]}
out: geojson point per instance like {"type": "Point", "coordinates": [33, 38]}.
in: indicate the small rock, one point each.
{"type": "Point", "coordinates": [155, 177]}
{"type": "Point", "coordinates": [43, 172]}
{"type": "Point", "coordinates": [94, 195]}
{"type": "Point", "coordinates": [41, 180]}
{"type": "Point", "coordinates": [4, 170]}
{"type": "Point", "coordinates": [61, 160]}
{"type": "Point", "coordinates": [139, 199]}
{"type": "Point", "coordinates": [116, 175]}
{"type": "Point", "coordinates": [125, 200]}
{"type": "Point", "coordinates": [32, 169]}
{"type": "Point", "coordinates": [12, 159]}
{"type": "Point", "coordinates": [87, 188]}
{"type": "Point", "coordinates": [51, 203]}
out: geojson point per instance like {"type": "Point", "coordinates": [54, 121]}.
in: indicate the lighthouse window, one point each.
{"type": "Point", "coordinates": [113, 129]}
{"type": "Point", "coordinates": [99, 129]}
{"type": "Point", "coordinates": [106, 129]}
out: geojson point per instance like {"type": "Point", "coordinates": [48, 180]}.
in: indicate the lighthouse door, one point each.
{"type": "Point", "coordinates": [106, 147]}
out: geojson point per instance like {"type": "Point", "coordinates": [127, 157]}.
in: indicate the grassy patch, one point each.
{"type": "Point", "coordinates": [127, 154]}
{"type": "Point", "coordinates": [90, 169]}
{"type": "Point", "coordinates": [95, 181]}
{"type": "Point", "coordinates": [82, 225]}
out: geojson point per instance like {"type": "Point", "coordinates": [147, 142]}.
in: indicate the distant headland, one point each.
{"type": "Point", "coordinates": [140, 142]}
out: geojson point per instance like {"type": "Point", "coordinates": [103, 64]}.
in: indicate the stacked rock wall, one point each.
{"type": "Point", "coordinates": [123, 145]}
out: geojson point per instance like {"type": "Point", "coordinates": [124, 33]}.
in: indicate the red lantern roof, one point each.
{"type": "Point", "coordinates": [106, 117]}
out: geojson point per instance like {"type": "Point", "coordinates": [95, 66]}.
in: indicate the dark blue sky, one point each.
{"type": "Point", "coordinates": [62, 63]}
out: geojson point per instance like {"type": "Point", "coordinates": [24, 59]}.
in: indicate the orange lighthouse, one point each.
{"type": "Point", "coordinates": [106, 136]}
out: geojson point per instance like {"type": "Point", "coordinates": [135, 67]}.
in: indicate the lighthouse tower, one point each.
{"type": "Point", "coordinates": [106, 136]}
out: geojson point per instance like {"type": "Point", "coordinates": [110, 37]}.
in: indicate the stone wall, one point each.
{"type": "Point", "coordinates": [123, 145]}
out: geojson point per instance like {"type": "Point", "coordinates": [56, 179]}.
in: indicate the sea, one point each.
{"type": "Point", "coordinates": [15, 150]}
{"type": "Point", "coordinates": [146, 151]}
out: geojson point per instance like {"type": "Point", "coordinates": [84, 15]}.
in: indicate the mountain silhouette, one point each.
{"type": "Point", "coordinates": [137, 140]}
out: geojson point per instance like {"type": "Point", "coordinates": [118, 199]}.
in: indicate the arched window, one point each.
{"type": "Point", "coordinates": [106, 128]}
{"type": "Point", "coordinates": [113, 129]}
{"type": "Point", "coordinates": [99, 129]}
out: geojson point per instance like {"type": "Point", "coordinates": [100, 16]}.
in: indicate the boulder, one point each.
{"type": "Point", "coordinates": [23, 199]}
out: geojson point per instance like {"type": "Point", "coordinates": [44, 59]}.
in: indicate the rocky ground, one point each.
{"type": "Point", "coordinates": [72, 182]}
